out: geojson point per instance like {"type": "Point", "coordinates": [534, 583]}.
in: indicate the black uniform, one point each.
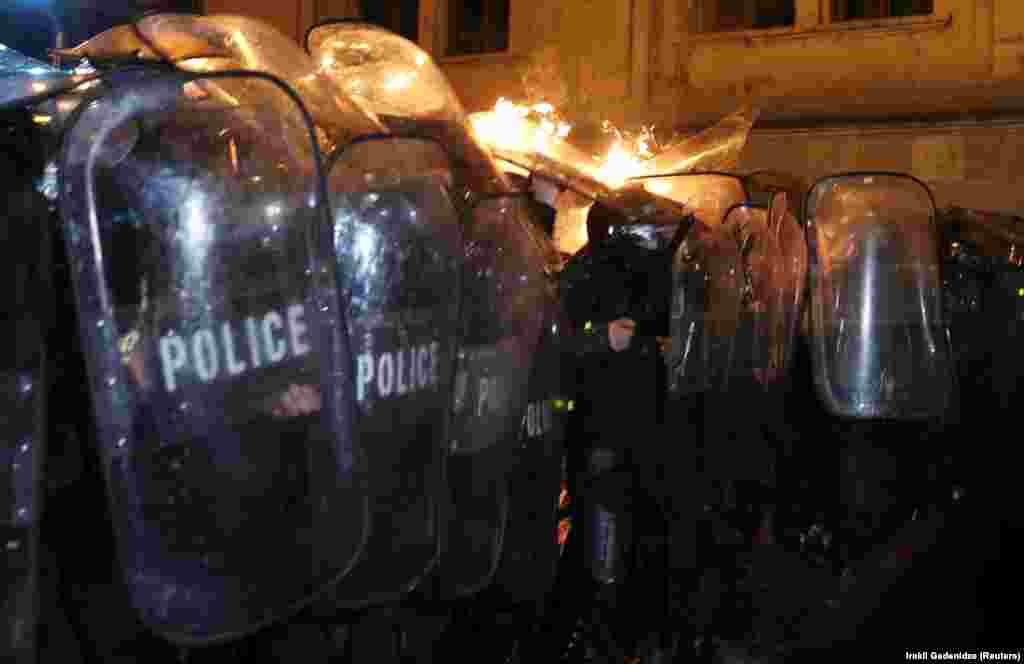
{"type": "Point", "coordinates": [616, 444]}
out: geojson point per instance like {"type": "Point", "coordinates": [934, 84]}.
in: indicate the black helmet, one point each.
{"type": "Point", "coordinates": [600, 219]}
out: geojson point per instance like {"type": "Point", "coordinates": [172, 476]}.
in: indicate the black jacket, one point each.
{"type": "Point", "coordinates": [618, 395]}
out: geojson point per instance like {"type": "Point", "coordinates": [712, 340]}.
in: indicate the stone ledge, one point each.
{"type": "Point", "coordinates": [898, 24]}
{"type": "Point", "coordinates": [505, 57]}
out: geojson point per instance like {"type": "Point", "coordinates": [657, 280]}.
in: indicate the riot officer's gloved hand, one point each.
{"type": "Point", "coordinates": [620, 333]}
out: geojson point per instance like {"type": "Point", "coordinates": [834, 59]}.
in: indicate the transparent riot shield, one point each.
{"type": "Point", "coordinates": [763, 185]}
{"type": "Point", "coordinates": [218, 359]}
{"type": "Point", "coordinates": [24, 304]}
{"type": "Point", "coordinates": [983, 285]}
{"type": "Point", "coordinates": [707, 195]}
{"type": "Point", "coordinates": [880, 344]}
{"type": "Point", "coordinates": [400, 256]}
{"type": "Point", "coordinates": [399, 82]}
{"type": "Point", "coordinates": [743, 355]}
{"type": "Point", "coordinates": [23, 79]}
{"type": "Point", "coordinates": [530, 553]}
{"type": "Point", "coordinates": [503, 308]}
{"type": "Point", "coordinates": [750, 338]}
{"type": "Point", "coordinates": [717, 148]}
{"type": "Point", "coordinates": [121, 44]}
{"type": "Point", "coordinates": [225, 43]}
{"type": "Point", "coordinates": [706, 286]}
{"type": "Point", "coordinates": [788, 283]}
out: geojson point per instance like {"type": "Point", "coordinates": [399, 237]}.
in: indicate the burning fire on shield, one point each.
{"type": "Point", "coordinates": [535, 137]}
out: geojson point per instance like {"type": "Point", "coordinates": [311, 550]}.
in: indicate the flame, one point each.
{"type": "Point", "coordinates": [627, 156]}
{"type": "Point", "coordinates": [511, 126]}
{"type": "Point", "coordinates": [658, 187]}
{"type": "Point", "coordinates": [538, 128]}
{"type": "Point", "coordinates": [619, 164]}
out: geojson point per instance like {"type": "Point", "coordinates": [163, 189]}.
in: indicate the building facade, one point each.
{"type": "Point", "coordinates": [930, 87]}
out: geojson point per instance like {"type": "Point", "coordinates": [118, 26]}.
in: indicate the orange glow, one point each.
{"type": "Point", "coordinates": [564, 526]}
{"type": "Point", "coordinates": [658, 187]}
{"type": "Point", "coordinates": [539, 129]}
{"type": "Point", "coordinates": [626, 157]}
{"type": "Point", "coordinates": [523, 128]}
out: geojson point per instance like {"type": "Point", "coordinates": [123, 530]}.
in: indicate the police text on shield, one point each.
{"type": "Point", "coordinates": [231, 349]}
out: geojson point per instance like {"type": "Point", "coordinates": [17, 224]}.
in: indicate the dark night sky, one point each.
{"type": "Point", "coordinates": [25, 25]}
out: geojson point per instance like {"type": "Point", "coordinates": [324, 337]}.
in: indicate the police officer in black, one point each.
{"type": "Point", "coordinates": [616, 292]}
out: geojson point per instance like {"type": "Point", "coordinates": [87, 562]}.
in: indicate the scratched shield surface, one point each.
{"type": "Point", "coordinates": [530, 547]}
{"type": "Point", "coordinates": [878, 335]}
{"type": "Point", "coordinates": [503, 309]}
{"type": "Point", "coordinates": [201, 250]}
{"type": "Point", "coordinates": [397, 246]}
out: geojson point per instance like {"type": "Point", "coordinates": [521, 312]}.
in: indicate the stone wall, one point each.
{"type": "Point", "coordinates": [640, 62]}
{"type": "Point", "coordinates": [977, 166]}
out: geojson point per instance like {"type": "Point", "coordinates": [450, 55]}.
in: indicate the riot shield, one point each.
{"type": "Point", "coordinates": [983, 286]}
{"type": "Point", "coordinates": [223, 43]}
{"type": "Point", "coordinates": [25, 303]}
{"type": "Point", "coordinates": [400, 260]}
{"type": "Point", "coordinates": [218, 359]}
{"type": "Point", "coordinates": [880, 344]}
{"type": "Point", "coordinates": [749, 336]}
{"type": "Point", "coordinates": [121, 44]}
{"type": "Point", "coordinates": [706, 290]}
{"type": "Point", "coordinates": [503, 308]}
{"type": "Point", "coordinates": [788, 283]}
{"type": "Point", "coordinates": [707, 195]}
{"type": "Point", "coordinates": [764, 184]}
{"type": "Point", "coordinates": [717, 148]}
{"type": "Point", "coordinates": [402, 84]}
{"type": "Point", "coordinates": [22, 78]}
{"type": "Point", "coordinates": [530, 553]}
{"type": "Point", "coordinates": [743, 354]}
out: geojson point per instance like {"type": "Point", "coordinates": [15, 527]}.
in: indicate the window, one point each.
{"type": "Point", "coordinates": [401, 17]}
{"type": "Point", "coordinates": [724, 15]}
{"type": "Point", "coordinates": [477, 26]}
{"type": "Point", "coordinates": [846, 10]}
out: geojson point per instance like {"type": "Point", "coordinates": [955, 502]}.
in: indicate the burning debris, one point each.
{"type": "Point", "coordinates": [535, 137]}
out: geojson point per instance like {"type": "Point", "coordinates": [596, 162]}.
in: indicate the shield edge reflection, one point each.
{"type": "Point", "coordinates": [327, 604]}
{"type": "Point", "coordinates": [538, 244]}
{"type": "Point", "coordinates": [102, 311]}
{"type": "Point", "coordinates": [810, 233]}
{"type": "Point", "coordinates": [749, 205]}
{"type": "Point", "coordinates": [640, 179]}
{"type": "Point", "coordinates": [803, 297]}
{"type": "Point", "coordinates": [326, 22]}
